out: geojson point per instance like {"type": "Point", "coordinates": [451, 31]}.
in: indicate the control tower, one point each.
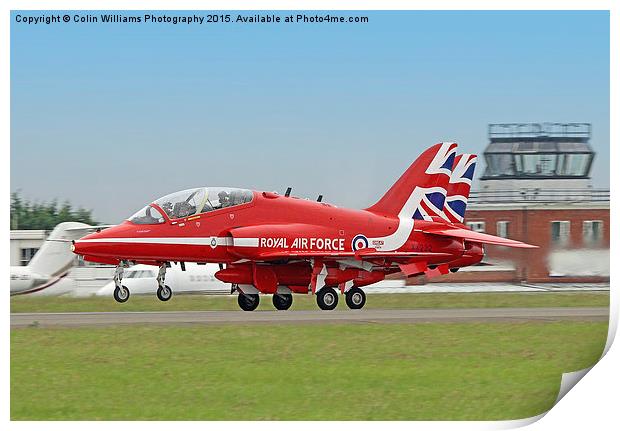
{"type": "Point", "coordinates": [534, 157]}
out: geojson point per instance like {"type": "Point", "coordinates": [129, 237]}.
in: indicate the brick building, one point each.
{"type": "Point", "coordinates": [536, 188]}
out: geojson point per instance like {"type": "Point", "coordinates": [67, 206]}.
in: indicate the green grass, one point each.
{"type": "Point", "coordinates": [29, 304]}
{"type": "Point", "coordinates": [335, 371]}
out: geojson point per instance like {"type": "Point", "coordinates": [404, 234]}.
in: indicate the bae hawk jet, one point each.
{"type": "Point", "coordinates": [267, 243]}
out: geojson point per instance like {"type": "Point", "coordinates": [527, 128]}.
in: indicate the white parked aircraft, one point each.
{"type": "Point", "coordinates": [142, 279]}
{"type": "Point", "coordinates": [46, 273]}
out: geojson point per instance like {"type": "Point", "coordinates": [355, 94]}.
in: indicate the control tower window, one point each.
{"type": "Point", "coordinates": [500, 164]}
{"type": "Point", "coordinates": [574, 164]}
{"type": "Point", "coordinates": [538, 151]}
{"type": "Point", "coordinates": [536, 164]}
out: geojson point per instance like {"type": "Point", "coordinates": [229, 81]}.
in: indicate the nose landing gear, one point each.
{"type": "Point", "coordinates": [164, 293]}
{"type": "Point", "coordinates": [121, 293]}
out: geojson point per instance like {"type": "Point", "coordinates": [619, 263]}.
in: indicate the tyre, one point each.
{"type": "Point", "coordinates": [454, 269]}
{"type": "Point", "coordinates": [327, 298]}
{"type": "Point", "coordinates": [121, 294]}
{"type": "Point", "coordinates": [248, 302]}
{"type": "Point", "coordinates": [282, 301]}
{"type": "Point", "coordinates": [164, 293]}
{"type": "Point", "coordinates": [355, 298]}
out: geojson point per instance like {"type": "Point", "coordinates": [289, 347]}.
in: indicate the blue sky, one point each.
{"type": "Point", "coordinates": [112, 116]}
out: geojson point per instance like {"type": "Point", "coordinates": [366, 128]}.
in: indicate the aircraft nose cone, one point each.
{"type": "Point", "coordinates": [87, 245]}
{"type": "Point", "coordinates": [78, 248]}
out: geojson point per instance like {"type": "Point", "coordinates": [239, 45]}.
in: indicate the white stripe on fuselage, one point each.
{"type": "Point", "coordinates": [170, 241]}
{"type": "Point", "coordinates": [245, 242]}
{"type": "Point", "coordinates": [222, 240]}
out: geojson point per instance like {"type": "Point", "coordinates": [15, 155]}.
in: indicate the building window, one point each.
{"type": "Point", "coordinates": [502, 228]}
{"type": "Point", "coordinates": [592, 232]}
{"type": "Point", "coordinates": [26, 255]}
{"type": "Point", "coordinates": [476, 226]}
{"type": "Point", "coordinates": [560, 232]}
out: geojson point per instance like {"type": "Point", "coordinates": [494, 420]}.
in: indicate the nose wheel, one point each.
{"type": "Point", "coordinates": [164, 293]}
{"type": "Point", "coordinates": [355, 298]}
{"type": "Point", "coordinates": [121, 294]}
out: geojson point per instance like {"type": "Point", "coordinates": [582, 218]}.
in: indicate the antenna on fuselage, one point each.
{"type": "Point", "coordinates": [320, 198]}
{"type": "Point", "coordinates": [288, 192]}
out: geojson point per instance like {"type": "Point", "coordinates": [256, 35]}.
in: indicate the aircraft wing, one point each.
{"type": "Point", "coordinates": [456, 232]}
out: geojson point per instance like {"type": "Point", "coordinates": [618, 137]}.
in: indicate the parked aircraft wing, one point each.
{"type": "Point", "coordinates": [87, 227]}
{"type": "Point", "coordinates": [456, 232]}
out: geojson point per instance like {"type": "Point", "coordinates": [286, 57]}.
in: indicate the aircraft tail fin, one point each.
{"type": "Point", "coordinates": [459, 187]}
{"type": "Point", "coordinates": [422, 188]}
{"type": "Point", "coordinates": [55, 256]}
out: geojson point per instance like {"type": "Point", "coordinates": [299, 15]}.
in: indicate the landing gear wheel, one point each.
{"type": "Point", "coordinates": [282, 301]}
{"type": "Point", "coordinates": [327, 298]}
{"type": "Point", "coordinates": [248, 302]}
{"type": "Point", "coordinates": [355, 298]}
{"type": "Point", "coordinates": [121, 294]}
{"type": "Point", "coordinates": [164, 293]}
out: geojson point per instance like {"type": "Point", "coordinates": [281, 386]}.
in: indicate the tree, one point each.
{"type": "Point", "coordinates": [28, 215]}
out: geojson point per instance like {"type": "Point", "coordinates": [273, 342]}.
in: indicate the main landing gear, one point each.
{"type": "Point", "coordinates": [282, 301]}
{"type": "Point", "coordinates": [355, 298]}
{"type": "Point", "coordinates": [327, 298]}
{"type": "Point", "coordinates": [248, 301]}
{"type": "Point", "coordinates": [121, 293]}
{"type": "Point", "coordinates": [164, 293]}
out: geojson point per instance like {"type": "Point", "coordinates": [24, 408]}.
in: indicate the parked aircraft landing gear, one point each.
{"type": "Point", "coordinates": [282, 301]}
{"type": "Point", "coordinates": [164, 293]}
{"type": "Point", "coordinates": [355, 298]}
{"type": "Point", "coordinates": [121, 293]}
{"type": "Point", "coordinates": [248, 302]}
{"type": "Point", "coordinates": [327, 298]}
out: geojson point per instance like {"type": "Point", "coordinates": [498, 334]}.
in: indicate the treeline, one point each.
{"type": "Point", "coordinates": [46, 215]}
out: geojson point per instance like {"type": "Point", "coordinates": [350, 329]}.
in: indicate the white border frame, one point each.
{"type": "Point", "coordinates": [594, 399]}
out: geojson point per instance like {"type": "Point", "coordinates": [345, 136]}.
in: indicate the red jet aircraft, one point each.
{"type": "Point", "coordinates": [273, 244]}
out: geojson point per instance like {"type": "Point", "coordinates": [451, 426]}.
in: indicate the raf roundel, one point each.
{"type": "Point", "coordinates": [359, 242]}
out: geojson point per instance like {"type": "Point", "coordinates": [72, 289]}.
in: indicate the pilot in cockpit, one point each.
{"type": "Point", "coordinates": [224, 198]}
{"type": "Point", "coordinates": [183, 209]}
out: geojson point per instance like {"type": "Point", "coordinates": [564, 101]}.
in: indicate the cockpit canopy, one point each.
{"type": "Point", "coordinates": [191, 201]}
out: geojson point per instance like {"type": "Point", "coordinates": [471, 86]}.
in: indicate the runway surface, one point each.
{"type": "Point", "coordinates": [21, 320]}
